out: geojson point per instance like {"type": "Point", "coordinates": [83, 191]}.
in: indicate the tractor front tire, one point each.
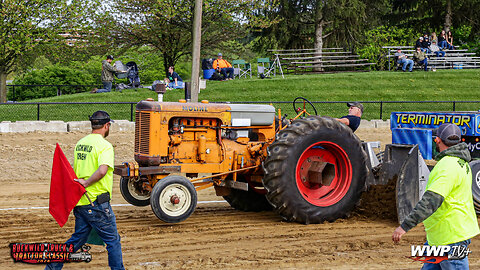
{"type": "Point", "coordinates": [173, 199]}
{"type": "Point", "coordinates": [315, 171]}
{"type": "Point", "coordinates": [130, 193]}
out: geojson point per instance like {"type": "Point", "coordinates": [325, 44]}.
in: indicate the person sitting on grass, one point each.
{"type": "Point", "coordinates": [421, 58]}
{"type": "Point", "coordinates": [174, 80]}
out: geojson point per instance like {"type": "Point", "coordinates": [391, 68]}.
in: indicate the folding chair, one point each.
{"type": "Point", "coordinates": [264, 66]}
{"type": "Point", "coordinates": [241, 69]}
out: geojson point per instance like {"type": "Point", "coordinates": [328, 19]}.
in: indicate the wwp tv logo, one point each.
{"type": "Point", "coordinates": [437, 254]}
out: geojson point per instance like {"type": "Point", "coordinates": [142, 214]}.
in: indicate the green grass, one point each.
{"type": "Point", "coordinates": [443, 85]}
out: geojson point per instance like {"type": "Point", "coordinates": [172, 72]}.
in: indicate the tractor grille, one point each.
{"type": "Point", "coordinates": [142, 132]}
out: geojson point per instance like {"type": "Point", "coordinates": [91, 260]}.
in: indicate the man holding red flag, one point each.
{"type": "Point", "coordinates": [93, 166]}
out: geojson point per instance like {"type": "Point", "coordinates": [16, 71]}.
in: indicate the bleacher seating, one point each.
{"type": "Point", "coordinates": [328, 60]}
{"type": "Point", "coordinates": [454, 59]}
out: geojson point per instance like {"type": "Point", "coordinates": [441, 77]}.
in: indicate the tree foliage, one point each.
{"type": "Point", "coordinates": [27, 24]}
{"type": "Point", "coordinates": [318, 23]}
{"type": "Point", "coordinates": [50, 75]}
{"type": "Point", "coordinates": [167, 25]}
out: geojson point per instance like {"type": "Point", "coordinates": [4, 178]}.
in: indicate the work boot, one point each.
{"type": "Point", "coordinates": [94, 90]}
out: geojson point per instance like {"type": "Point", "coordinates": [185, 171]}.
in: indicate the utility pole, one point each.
{"type": "Point", "coordinates": [197, 38]}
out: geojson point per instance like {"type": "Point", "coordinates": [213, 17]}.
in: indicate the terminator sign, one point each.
{"type": "Point", "coordinates": [414, 128]}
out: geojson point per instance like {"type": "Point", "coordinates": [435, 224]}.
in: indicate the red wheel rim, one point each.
{"type": "Point", "coordinates": [323, 174]}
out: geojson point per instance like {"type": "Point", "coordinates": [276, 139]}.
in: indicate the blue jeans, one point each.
{"type": "Point", "coordinates": [426, 50]}
{"type": "Point", "coordinates": [424, 62]}
{"type": "Point", "coordinates": [228, 70]}
{"type": "Point", "coordinates": [107, 87]}
{"type": "Point", "coordinates": [450, 264]}
{"type": "Point", "coordinates": [444, 44]}
{"type": "Point", "coordinates": [438, 53]}
{"type": "Point", "coordinates": [178, 86]}
{"type": "Point", "coordinates": [100, 217]}
{"type": "Point", "coordinates": [405, 63]}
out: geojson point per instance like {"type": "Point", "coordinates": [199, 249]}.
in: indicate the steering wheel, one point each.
{"type": "Point", "coordinates": [298, 110]}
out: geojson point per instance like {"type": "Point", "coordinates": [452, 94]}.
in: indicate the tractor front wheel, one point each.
{"type": "Point", "coordinates": [173, 199]}
{"type": "Point", "coordinates": [131, 192]}
{"type": "Point", "coordinates": [315, 170]}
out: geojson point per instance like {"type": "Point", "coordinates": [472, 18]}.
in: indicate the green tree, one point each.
{"type": "Point", "coordinates": [167, 25]}
{"type": "Point", "coordinates": [26, 24]}
{"type": "Point", "coordinates": [320, 23]}
{"type": "Point", "coordinates": [433, 15]}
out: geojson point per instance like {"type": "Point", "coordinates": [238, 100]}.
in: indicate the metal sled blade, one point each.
{"type": "Point", "coordinates": [411, 183]}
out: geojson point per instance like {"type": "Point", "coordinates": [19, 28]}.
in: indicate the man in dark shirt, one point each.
{"type": "Point", "coordinates": [352, 120]}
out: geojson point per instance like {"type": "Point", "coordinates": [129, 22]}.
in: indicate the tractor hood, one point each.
{"type": "Point", "coordinates": [253, 114]}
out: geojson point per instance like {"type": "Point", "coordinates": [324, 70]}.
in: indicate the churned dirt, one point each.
{"type": "Point", "coordinates": [214, 237]}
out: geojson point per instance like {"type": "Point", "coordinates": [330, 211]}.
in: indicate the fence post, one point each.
{"type": "Point", "coordinates": [59, 91]}
{"type": "Point", "coordinates": [131, 112]}
{"type": "Point", "coordinates": [381, 109]}
{"type": "Point", "coordinates": [38, 111]}
{"type": "Point", "coordinates": [454, 106]}
{"type": "Point", "coordinates": [13, 90]}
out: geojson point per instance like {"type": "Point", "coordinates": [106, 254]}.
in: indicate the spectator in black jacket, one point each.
{"type": "Point", "coordinates": [419, 42]}
{"type": "Point", "coordinates": [425, 45]}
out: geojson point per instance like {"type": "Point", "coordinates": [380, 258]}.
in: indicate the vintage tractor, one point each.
{"type": "Point", "coordinates": [309, 169]}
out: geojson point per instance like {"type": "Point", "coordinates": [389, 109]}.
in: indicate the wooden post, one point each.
{"type": "Point", "coordinates": [3, 87]}
{"type": "Point", "coordinates": [197, 37]}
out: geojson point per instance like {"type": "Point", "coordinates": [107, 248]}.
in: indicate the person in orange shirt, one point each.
{"type": "Point", "coordinates": [224, 67]}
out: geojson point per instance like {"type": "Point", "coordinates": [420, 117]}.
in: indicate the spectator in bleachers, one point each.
{"type": "Point", "coordinates": [435, 49]}
{"type": "Point", "coordinates": [433, 38]}
{"type": "Point", "coordinates": [419, 42]}
{"type": "Point", "coordinates": [421, 58]}
{"type": "Point", "coordinates": [224, 67]}
{"type": "Point", "coordinates": [402, 59]}
{"type": "Point", "coordinates": [425, 45]}
{"type": "Point", "coordinates": [450, 40]}
{"type": "Point", "coordinates": [442, 41]}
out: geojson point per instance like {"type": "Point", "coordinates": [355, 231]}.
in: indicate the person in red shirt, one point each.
{"type": "Point", "coordinates": [224, 67]}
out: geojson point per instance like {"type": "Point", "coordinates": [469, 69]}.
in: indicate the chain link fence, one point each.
{"type": "Point", "coordinates": [79, 111]}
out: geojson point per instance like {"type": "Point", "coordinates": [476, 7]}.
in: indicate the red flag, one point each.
{"type": "Point", "coordinates": [64, 191]}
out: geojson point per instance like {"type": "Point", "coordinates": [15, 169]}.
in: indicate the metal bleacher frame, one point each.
{"type": "Point", "coordinates": [328, 59]}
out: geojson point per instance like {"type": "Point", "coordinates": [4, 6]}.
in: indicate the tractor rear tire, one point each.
{"type": "Point", "coordinates": [130, 193]}
{"type": "Point", "coordinates": [173, 199]}
{"type": "Point", "coordinates": [248, 201]}
{"type": "Point", "coordinates": [302, 194]}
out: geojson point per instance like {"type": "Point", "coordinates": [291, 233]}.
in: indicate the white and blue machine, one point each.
{"type": "Point", "coordinates": [416, 128]}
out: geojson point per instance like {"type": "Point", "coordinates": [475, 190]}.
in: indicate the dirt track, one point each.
{"type": "Point", "coordinates": [214, 237]}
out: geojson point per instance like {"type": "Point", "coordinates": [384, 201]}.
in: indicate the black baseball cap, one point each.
{"type": "Point", "coordinates": [110, 57]}
{"type": "Point", "coordinates": [449, 133]}
{"type": "Point", "coordinates": [100, 118]}
{"type": "Point", "coordinates": [355, 104]}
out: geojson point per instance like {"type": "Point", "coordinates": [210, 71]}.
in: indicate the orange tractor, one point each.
{"type": "Point", "coordinates": [308, 169]}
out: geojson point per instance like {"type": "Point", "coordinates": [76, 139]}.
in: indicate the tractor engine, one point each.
{"type": "Point", "coordinates": [202, 138]}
